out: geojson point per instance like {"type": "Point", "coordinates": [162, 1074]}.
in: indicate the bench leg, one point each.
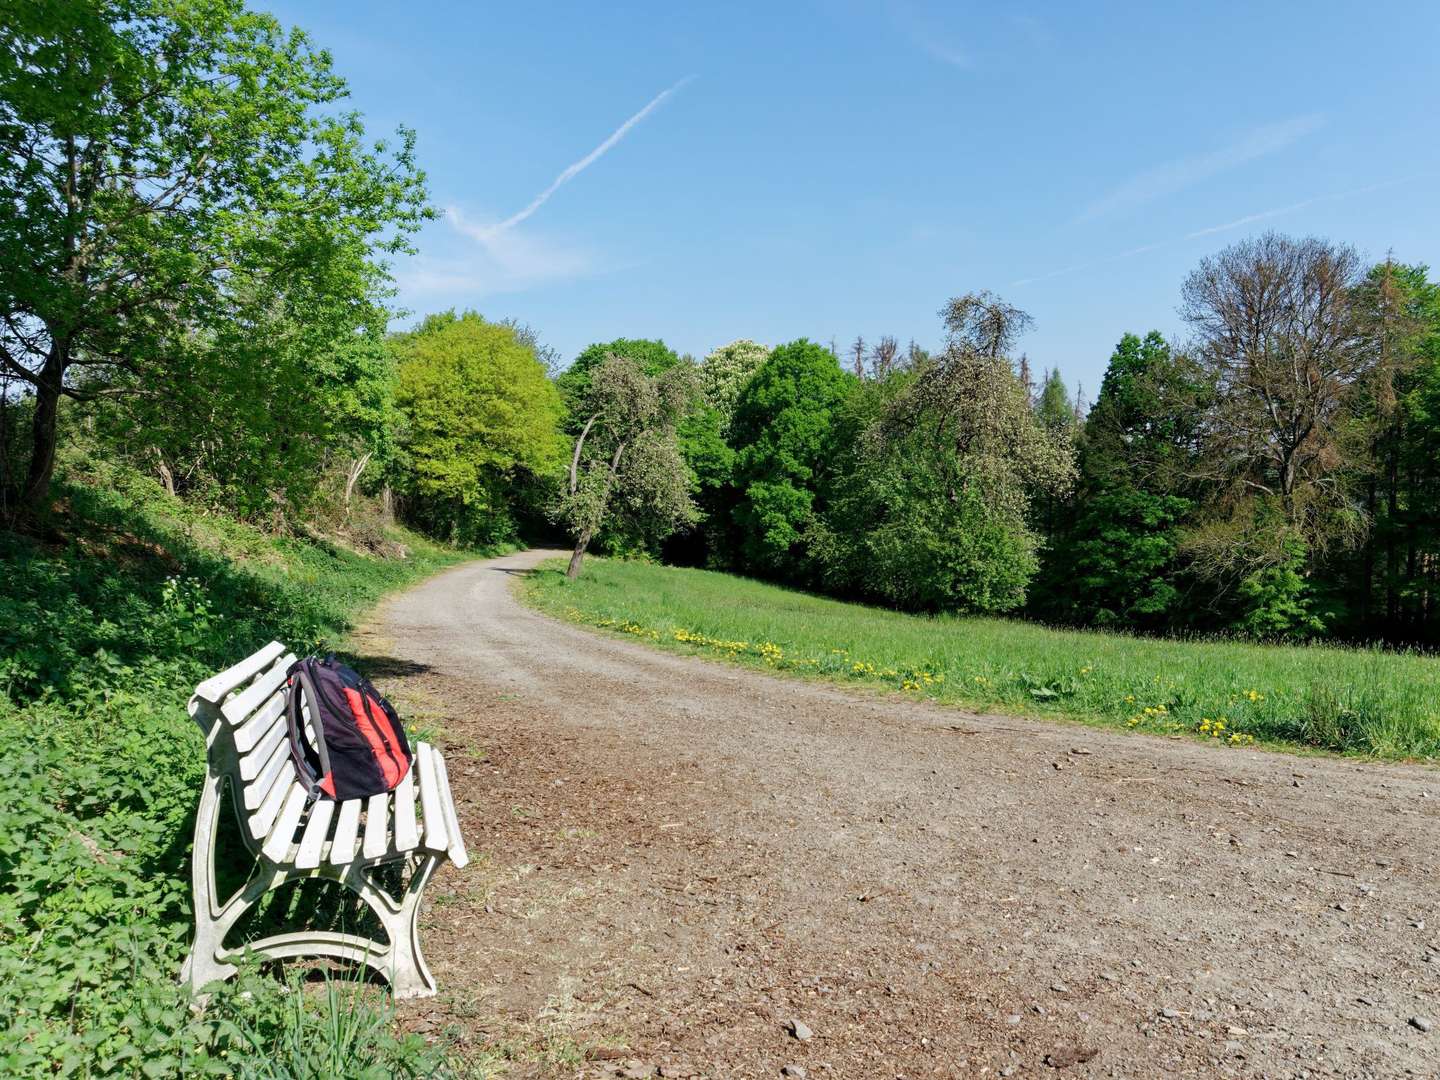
{"type": "Point", "coordinates": [404, 965]}
{"type": "Point", "coordinates": [401, 961]}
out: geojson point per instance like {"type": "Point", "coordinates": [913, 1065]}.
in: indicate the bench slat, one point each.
{"type": "Point", "coordinates": [253, 696]}
{"type": "Point", "coordinates": [216, 687]}
{"type": "Point", "coordinates": [435, 828]}
{"type": "Point", "coordinates": [253, 763]}
{"type": "Point", "coordinates": [264, 817]}
{"type": "Point", "coordinates": [342, 847]}
{"type": "Point", "coordinates": [313, 839]}
{"type": "Point", "coordinates": [377, 825]}
{"type": "Point", "coordinates": [458, 855]}
{"type": "Point", "coordinates": [261, 723]}
{"type": "Point", "coordinates": [274, 774]}
{"type": "Point", "coordinates": [407, 836]}
{"type": "Point", "coordinates": [282, 834]}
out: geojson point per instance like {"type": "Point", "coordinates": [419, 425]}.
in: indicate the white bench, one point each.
{"type": "Point", "coordinates": [242, 713]}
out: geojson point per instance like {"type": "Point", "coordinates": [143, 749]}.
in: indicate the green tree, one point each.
{"type": "Point", "coordinates": [1395, 464]}
{"type": "Point", "coordinates": [652, 356]}
{"type": "Point", "coordinates": [1112, 561]}
{"type": "Point", "coordinates": [480, 412]}
{"type": "Point", "coordinates": [782, 434]}
{"type": "Point", "coordinates": [626, 459]}
{"type": "Point", "coordinates": [934, 513]}
{"type": "Point", "coordinates": [1053, 406]}
{"type": "Point", "coordinates": [173, 171]}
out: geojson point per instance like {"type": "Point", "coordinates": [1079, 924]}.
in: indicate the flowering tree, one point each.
{"type": "Point", "coordinates": [627, 459]}
{"type": "Point", "coordinates": [724, 373]}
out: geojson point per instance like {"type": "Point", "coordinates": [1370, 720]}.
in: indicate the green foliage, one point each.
{"type": "Point", "coordinates": [179, 196]}
{"type": "Point", "coordinates": [1112, 559]}
{"type": "Point", "coordinates": [1053, 407]}
{"type": "Point", "coordinates": [932, 509]}
{"type": "Point", "coordinates": [653, 357]}
{"type": "Point", "coordinates": [103, 635]}
{"type": "Point", "coordinates": [480, 415]}
{"type": "Point", "coordinates": [782, 432]}
{"type": "Point", "coordinates": [627, 474]}
{"type": "Point", "coordinates": [1358, 701]}
{"type": "Point", "coordinates": [1275, 600]}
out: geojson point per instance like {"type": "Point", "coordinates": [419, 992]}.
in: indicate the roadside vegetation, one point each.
{"type": "Point", "coordinates": [1230, 693]}
{"type": "Point", "coordinates": [107, 622]}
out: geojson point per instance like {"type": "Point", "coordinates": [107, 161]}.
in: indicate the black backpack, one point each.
{"type": "Point", "coordinates": [360, 750]}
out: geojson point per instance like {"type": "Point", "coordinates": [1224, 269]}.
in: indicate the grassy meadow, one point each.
{"type": "Point", "coordinates": [1231, 693]}
{"type": "Point", "coordinates": [108, 619]}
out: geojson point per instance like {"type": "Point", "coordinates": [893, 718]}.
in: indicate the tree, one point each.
{"type": "Point", "coordinates": [782, 433]}
{"type": "Point", "coordinates": [1112, 559]}
{"type": "Point", "coordinates": [651, 355]}
{"type": "Point", "coordinates": [168, 169]}
{"type": "Point", "coordinates": [479, 413]}
{"type": "Point", "coordinates": [1053, 407]}
{"type": "Point", "coordinates": [884, 357]}
{"type": "Point", "coordinates": [1282, 360]}
{"type": "Point", "coordinates": [626, 459]}
{"type": "Point", "coordinates": [726, 370]}
{"type": "Point", "coordinates": [1279, 347]}
{"type": "Point", "coordinates": [1399, 314]}
{"type": "Point", "coordinates": [933, 514]}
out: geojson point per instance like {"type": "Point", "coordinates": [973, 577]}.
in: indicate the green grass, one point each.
{"type": "Point", "coordinates": [1368, 702]}
{"type": "Point", "coordinates": [107, 622]}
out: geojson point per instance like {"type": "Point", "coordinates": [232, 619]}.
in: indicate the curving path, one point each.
{"type": "Point", "coordinates": [682, 857]}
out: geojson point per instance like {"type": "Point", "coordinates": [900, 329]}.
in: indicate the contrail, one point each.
{"type": "Point", "coordinates": [574, 170]}
{"type": "Point", "coordinates": [1248, 219]}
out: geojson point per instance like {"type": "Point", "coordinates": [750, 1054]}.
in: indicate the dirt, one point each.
{"type": "Point", "coordinates": [677, 859]}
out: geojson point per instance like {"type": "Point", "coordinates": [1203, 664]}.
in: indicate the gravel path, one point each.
{"type": "Point", "coordinates": [680, 858]}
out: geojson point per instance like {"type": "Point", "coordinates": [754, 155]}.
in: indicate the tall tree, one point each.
{"type": "Point", "coordinates": [626, 459]}
{"type": "Point", "coordinates": [1053, 406]}
{"type": "Point", "coordinates": [726, 370]}
{"type": "Point", "coordinates": [1112, 560]}
{"type": "Point", "coordinates": [1280, 347]}
{"type": "Point", "coordinates": [934, 514]}
{"type": "Point", "coordinates": [480, 413]}
{"type": "Point", "coordinates": [164, 164]}
{"type": "Point", "coordinates": [783, 437]}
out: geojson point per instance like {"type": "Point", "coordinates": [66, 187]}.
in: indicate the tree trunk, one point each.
{"type": "Point", "coordinates": [352, 476]}
{"type": "Point", "coordinates": [166, 476]}
{"type": "Point", "coordinates": [36, 493]}
{"type": "Point", "coordinates": [581, 543]}
{"type": "Point", "coordinates": [387, 504]}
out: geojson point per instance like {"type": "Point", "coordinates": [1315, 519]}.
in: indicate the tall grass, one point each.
{"type": "Point", "coordinates": [1362, 701]}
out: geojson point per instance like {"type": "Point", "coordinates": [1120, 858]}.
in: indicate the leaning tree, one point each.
{"type": "Point", "coordinates": [626, 462]}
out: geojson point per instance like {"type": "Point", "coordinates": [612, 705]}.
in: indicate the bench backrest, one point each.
{"type": "Point", "coordinates": [242, 713]}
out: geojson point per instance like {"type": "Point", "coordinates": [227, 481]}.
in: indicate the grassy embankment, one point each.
{"type": "Point", "coordinates": [106, 624]}
{"type": "Point", "coordinates": [1228, 692]}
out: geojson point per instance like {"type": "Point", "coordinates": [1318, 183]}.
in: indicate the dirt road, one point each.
{"type": "Point", "coordinates": [682, 858]}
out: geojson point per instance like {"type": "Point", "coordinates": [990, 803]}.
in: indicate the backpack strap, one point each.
{"type": "Point", "coordinates": [295, 720]}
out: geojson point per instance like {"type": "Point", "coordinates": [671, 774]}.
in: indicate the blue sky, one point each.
{"type": "Point", "coordinates": [833, 169]}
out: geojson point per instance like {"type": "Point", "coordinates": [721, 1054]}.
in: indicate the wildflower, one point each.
{"type": "Point", "coordinates": [1086, 670]}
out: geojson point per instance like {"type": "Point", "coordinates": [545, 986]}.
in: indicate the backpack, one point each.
{"type": "Point", "coordinates": [359, 747]}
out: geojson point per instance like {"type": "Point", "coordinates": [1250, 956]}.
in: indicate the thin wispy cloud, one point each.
{"type": "Point", "coordinates": [576, 168]}
{"type": "Point", "coordinates": [1175, 176]}
{"type": "Point", "coordinates": [928, 36]}
{"type": "Point", "coordinates": [1263, 215]}
{"type": "Point", "coordinates": [1212, 230]}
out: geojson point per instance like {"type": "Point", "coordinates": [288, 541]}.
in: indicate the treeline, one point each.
{"type": "Point", "coordinates": [1274, 474]}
